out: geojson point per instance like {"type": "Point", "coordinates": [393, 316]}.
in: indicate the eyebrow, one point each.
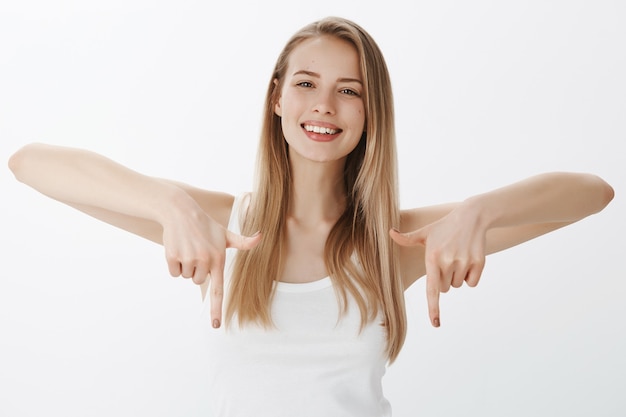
{"type": "Point", "coordinates": [316, 75]}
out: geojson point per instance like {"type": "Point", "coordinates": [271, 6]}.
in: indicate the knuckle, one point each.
{"type": "Point", "coordinates": [171, 257]}
{"type": "Point", "coordinates": [459, 261]}
{"type": "Point", "coordinates": [480, 264]}
{"type": "Point", "coordinates": [475, 259]}
{"type": "Point", "coordinates": [200, 258]}
{"type": "Point", "coordinates": [217, 291]}
{"type": "Point", "coordinates": [195, 259]}
{"type": "Point", "coordinates": [434, 255]}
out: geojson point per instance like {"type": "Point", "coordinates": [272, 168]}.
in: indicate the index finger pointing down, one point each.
{"type": "Point", "coordinates": [216, 291]}
{"type": "Point", "coordinates": [432, 295]}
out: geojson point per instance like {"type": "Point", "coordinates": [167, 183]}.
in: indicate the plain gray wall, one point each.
{"type": "Point", "coordinates": [487, 93]}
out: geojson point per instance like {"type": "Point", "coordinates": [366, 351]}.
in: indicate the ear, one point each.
{"type": "Point", "coordinates": [277, 101]}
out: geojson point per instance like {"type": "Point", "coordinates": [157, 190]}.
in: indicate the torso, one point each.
{"type": "Point", "coordinates": [313, 362]}
{"type": "Point", "coordinates": [309, 364]}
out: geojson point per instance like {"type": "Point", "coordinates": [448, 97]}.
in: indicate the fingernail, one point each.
{"type": "Point", "coordinates": [395, 229]}
{"type": "Point", "coordinates": [436, 322]}
{"type": "Point", "coordinates": [216, 324]}
{"type": "Point", "coordinates": [256, 234]}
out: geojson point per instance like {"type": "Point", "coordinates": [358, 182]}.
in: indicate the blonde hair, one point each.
{"type": "Point", "coordinates": [359, 255]}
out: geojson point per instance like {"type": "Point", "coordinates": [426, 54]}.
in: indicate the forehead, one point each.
{"type": "Point", "coordinates": [326, 54]}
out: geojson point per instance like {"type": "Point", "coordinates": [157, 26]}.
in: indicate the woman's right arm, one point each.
{"type": "Point", "coordinates": [189, 222]}
{"type": "Point", "coordinates": [105, 189]}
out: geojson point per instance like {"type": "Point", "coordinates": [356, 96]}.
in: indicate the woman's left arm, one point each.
{"type": "Point", "coordinates": [449, 243]}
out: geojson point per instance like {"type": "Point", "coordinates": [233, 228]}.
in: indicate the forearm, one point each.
{"type": "Point", "coordinates": [80, 177]}
{"type": "Point", "coordinates": [546, 198]}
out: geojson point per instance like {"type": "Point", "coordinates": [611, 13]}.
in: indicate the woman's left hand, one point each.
{"type": "Point", "coordinates": [454, 253]}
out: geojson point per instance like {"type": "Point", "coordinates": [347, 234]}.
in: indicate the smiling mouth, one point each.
{"type": "Point", "coordinates": [321, 130]}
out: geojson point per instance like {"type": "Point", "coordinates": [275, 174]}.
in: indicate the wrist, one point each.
{"type": "Point", "coordinates": [482, 214]}
{"type": "Point", "coordinates": [173, 203]}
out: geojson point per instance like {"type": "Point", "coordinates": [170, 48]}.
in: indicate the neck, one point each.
{"type": "Point", "coordinates": [318, 193]}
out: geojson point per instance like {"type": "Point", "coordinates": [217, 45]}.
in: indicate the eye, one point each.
{"type": "Point", "coordinates": [304, 84]}
{"type": "Point", "coordinates": [349, 92]}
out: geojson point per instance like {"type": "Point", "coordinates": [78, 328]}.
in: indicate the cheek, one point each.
{"type": "Point", "coordinates": [290, 106]}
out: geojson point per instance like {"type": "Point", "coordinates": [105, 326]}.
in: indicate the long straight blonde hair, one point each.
{"type": "Point", "coordinates": [359, 256]}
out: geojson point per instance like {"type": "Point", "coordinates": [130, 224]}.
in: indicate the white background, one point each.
{"type": "Point", "coordinates": [487, 93]}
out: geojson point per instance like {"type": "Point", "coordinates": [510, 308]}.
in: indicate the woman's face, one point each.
{"type": "Point", "coordinates": [321, 105]}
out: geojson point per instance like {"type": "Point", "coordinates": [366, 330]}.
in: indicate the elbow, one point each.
{"type": "Point", "coordinates": [609, 193]}
{"type": "Point", "coordinates": [604, 192]}
{"type": "Point", "coordinates": [18, 162]}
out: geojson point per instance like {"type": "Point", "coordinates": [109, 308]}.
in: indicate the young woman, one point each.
{"type": "Point", "coordinates": [314, 306]}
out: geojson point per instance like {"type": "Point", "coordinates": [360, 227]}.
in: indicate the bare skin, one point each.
{"type": "Point", "coordinates": [447, 243]}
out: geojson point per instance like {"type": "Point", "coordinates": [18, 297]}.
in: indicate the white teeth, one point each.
{"type": "Point", "coordinates": [320, 129]}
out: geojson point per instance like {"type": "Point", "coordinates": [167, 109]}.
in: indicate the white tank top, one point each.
{"type": "Point", "coordinates": [312, 364]}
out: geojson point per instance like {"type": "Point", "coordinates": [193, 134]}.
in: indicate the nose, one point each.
{"type": "Point", "coordinates": [325, 102]}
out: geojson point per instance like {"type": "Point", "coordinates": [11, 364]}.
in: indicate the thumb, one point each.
{"type": "Point", "coordinates": [233, 240]}
{"type": "Point", "coordinates": [414, 238]}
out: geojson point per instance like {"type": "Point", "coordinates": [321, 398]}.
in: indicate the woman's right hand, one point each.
{"type": "Point", "coordinates": [195, 247]}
